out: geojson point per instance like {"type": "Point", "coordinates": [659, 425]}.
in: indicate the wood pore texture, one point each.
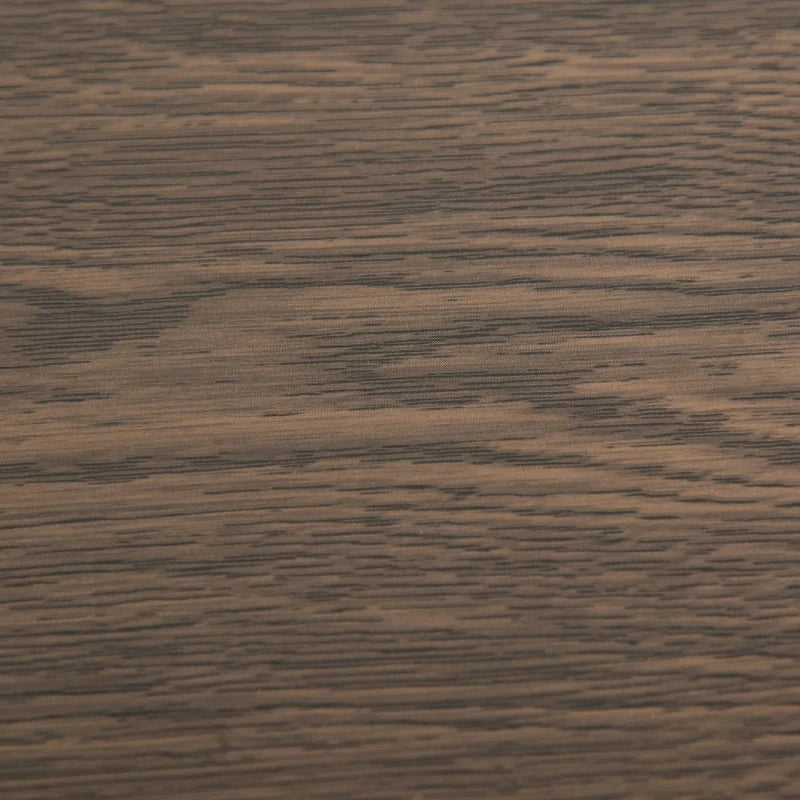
{"type": "Point", "coordinates": [399, 400]}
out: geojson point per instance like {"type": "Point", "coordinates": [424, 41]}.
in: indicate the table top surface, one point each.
{"type": "Point", "coordinates": [399, 400]}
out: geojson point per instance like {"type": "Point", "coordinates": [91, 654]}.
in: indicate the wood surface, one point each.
{"type": "Point", "coordinates": [399, 400]}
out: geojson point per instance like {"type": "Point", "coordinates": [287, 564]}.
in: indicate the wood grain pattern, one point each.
{"type": "Point", "coordinates": [399, 399]}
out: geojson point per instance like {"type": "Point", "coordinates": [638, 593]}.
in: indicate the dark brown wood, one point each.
{"type": "Point", "coordinates": [399, 400]}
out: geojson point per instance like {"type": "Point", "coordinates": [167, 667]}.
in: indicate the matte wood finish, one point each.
{"type": "Point", "coordinates": [399, 400]}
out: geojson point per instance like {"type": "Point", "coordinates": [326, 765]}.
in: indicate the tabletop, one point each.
{"type": "Point", "coordinates": [399, 399]}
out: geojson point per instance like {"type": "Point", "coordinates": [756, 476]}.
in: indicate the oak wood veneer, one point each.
{"type": "Point", "coordinates": [399, 400]}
